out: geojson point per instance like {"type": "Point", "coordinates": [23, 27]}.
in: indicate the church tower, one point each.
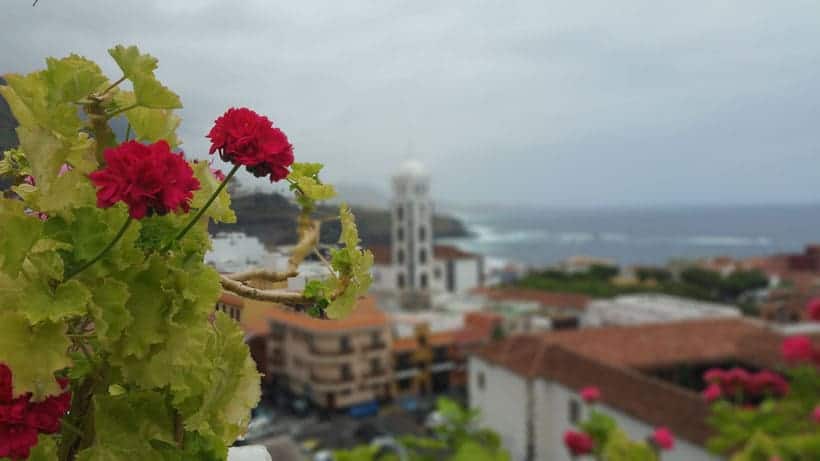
{"type": "Point", "coordinates": [412, 229]}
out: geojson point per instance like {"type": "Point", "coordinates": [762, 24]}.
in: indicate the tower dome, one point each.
{"type": "Point", "coordinates": [412, 169]}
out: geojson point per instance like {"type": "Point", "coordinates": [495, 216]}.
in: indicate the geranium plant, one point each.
{"type": "Point", "coordinates": [109, 345]}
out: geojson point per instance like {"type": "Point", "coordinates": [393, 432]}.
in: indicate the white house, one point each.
{"type": "Point", "coordinates": [527, 385]}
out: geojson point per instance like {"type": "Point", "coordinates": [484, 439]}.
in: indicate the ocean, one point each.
{"type": "Point", "coordinates": [638, 236]}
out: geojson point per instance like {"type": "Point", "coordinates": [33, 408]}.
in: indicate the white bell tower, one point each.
{"type": "Point", "coordinates": [412, 229]}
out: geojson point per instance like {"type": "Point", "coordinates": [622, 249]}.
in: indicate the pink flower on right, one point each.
{"type": "Point", "coordinates": [663, 438]}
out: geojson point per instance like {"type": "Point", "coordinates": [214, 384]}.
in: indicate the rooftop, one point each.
{"type": "Point", "coordinates": [545, 298]}
{"type": "Point", "coordinates": [257, 315]}
{"type": "Point", "coordinates": [614, 358]}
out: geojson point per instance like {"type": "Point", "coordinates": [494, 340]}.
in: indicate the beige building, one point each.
{"type": "Point", "coordinates": [333, 363]}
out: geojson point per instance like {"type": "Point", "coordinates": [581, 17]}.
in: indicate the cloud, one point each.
{"type": "Point", "coordinates": [530, 102]}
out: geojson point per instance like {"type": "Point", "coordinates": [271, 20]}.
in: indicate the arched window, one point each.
{"type": "Point", "coordinates": [423, 280]}
{"type": "Point", "coordinates": [400, 256]}
{"type": "Point", "coordinates": [422, 233]}
{"type": "Point", "coordinates": [400, 234]}
{"type": "Point", "coordinates": [400, 280]}
{"type": "Point", "coordinates": [399, 213]}
{"type": "Point", "coordinates": [423, 256]}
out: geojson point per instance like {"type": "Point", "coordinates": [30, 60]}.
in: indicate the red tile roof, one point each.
{"type": "Point", "coordinates": [545, 298]}
{"type": "Point", "coordinates": [257, 315]}
{"type": "Point", "coordinates": [232, 299]}
{"type": "Point", "coordinates": [450, 252]}
{"type": "Point", "coordinates": [612, 358]}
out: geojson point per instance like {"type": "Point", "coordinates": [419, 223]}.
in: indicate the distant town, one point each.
{"type": "Point", "coordinates": [515, 342]}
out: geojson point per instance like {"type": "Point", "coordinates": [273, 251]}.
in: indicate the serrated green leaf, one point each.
{"type": "Point", "coordinates": [132, 63]}
{"type": "Point", "coordinates": [220, 210]}
{"type": "Point", "coordinates": [18, 233]}
{"type": "Point", "coordinates": [28, 98]}
{"type": "Point", "coordinates": [69, 299]}
{"type": "Point", "coordinates": [22, 345]}
{"type": "Point", "coordinates": [151, 125]}
{"type": "Point", "coordinates": [45, 450]}
{"type": "Point", "coordinates": [304, 177]}
{"type": "Point", "coordinates": [108, 310]}
{"type": "Point", "coordinates": [151, 93]}
{"type": "Point", "coordinates": [73, 78]}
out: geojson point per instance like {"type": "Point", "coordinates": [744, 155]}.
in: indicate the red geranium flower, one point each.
{"type": "Point", "coordinates": [815, 415]}
{"type": "Point", "coordinates": [813, 309]}
{"type": "Point", "coordinates": [663, 438]}
{"type": "Point", "coordinates": [590, 394]}
{"type": "Point", "coordinates": [21, 419]}
{"type": "Point", "coordinates": [148, 178]}
{"type": "Point", "coordinates": [244, 137]}
{"type": "Point", "coordinates": [578, 443]}
{"type": "Point", "coordinates": [714, 375]}
{"type": "Point", "coordinates": [767, 382]}
{"type": "Point", "coordinates": [797, 349]}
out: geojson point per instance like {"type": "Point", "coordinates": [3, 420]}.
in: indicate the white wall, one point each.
{"type": "Point", "coordinates": [503, 407]}
{"type": "Point", "coordinates": [502, 403]}
{"type": "Point", "coordinates": [467, 274]}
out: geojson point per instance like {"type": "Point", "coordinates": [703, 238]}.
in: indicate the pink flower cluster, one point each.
{"type": "Point", "coordinates": [800, 349]}
{"type": "Point", "coordinates": [738, 381]}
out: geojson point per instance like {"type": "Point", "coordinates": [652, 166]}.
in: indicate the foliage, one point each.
{"type": "Point", "coordinates": [782, 427]}
{"type": "Point", "coordinates": [125, 311]}
{"type": "Point", "coordinates": [457, 439]}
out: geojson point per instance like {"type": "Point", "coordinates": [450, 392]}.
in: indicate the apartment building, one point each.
{"type": "Point", "coordinates": [335, 364]}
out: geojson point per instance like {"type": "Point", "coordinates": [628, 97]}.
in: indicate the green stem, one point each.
{"type": "Point", "coordinates": [114, 113]}
{"type": "Point", "coordinates": [110, 245]}
{"type": "Point", "coordinates": [202, 210]}
{"type": "Point", "coordinates": [111, 87]}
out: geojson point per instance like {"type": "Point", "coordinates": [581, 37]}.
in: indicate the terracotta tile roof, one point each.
{"type": "Point", "coordinates": [451, 252]}
{"type": "Point", "coordinates": [258, 314]}
{"type": "Point", "coordinates": [612, 358]}
{"type": "Point", "coordinates": [546, 298]}
{"type": "Point", "coordinates": [232, 299]}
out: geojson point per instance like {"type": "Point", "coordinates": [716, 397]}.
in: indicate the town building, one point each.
{"type": "Point", "coordinates": [652, 308]}
{"type": "Point", "coordinates": [335, 364]}
{"type": "Point", "coordinates": [649, 376]}
{"type": "Point", "coordinates": [230, 304]}
{"type": "Point", "coordinates": [413, 267]}
{"type": "Point", "coordinates": [527, 310]}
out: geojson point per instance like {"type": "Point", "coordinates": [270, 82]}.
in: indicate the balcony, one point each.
{"type": "Point", "coordinates": [331, 379]}
{"type": "Point", "coordinates": [330, 351]}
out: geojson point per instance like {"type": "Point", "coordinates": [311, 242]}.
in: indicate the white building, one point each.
{"type": "Point", "coordinates": [545, 372]}
{"type": "Point", "coordinates": [412, 263]}
{"type": "Point", "coordinates": [652, 308]}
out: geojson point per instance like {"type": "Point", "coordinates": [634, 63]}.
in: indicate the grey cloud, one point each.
{"type": "Point", "coordinates": [533, 102]}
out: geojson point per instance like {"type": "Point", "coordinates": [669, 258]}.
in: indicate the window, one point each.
{"type": "Point", "coordinates": [422, 233]}
{"type": "Point", "coordinates": [574, 411]}
{"type": "Point", "coordinates": [375, 366]}
{"type": "Point", "coordinates": [400, 234]}
{"type": "Point", "coordinates": [344, 344]}
{"type": "Point", "coordinates": [399, 213]}
{"type": "Point", "coordinates": [401, 280]}
{"type": "Point", "coordinates": [376, 339]}
{"type": "Point", "coordinates": [423, 281]}
{"type": "Point", "coordinates": [346, 373]}
{"type": "Point", "coordinates": [400, 256]}
{"type": "Point", "coordinates": [423, 256]}
{"type": "Point", "coordinates": [480, 380]}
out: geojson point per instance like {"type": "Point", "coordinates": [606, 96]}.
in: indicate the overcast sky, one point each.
{"type": "Point", "coordinates": [536, 102]}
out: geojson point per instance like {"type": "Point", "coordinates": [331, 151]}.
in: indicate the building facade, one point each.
{"type": "Point", "coordinates": [649, 376]}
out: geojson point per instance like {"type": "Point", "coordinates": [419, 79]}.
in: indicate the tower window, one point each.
{"type": "Point", "coordinates": [423, 281]}
{"type": "Point", "coordinates": [422, 233]}
{"type": "Point", "coordinates": [400, 256]}
{"type": "Point", "coordinates": [400, 234]}
{"type": "Point", "coordinates": [399, 213]}
{"type": "Point", "coordinates": [423, 256]}
{"type": "Point", "coordinates": [400, 280]}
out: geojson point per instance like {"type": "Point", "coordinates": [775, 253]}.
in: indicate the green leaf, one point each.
{"type": "Point", "coordinates": [28, 98]}
{"type": "Point", "coordinates": [108, 310]}
{"type": "Point", "coordinates": [151, 125]}
{"type": "Point", "coordinates": [132, 62]}
{"type": "Point", "coordinates": [620, 448]}
{"type": "Point", "coordinates": [234, 384]}
{"type": "Point", "coordinates": [45, 450]}
{"type": "Point", "coordinates": [304, 178]}
{"type": "Point", "coordinates": [70, 299]}
{"type": "Point", "coordinates": [352, 266]}
{"type": "Point", "coordinates": [220, 210]}
{"type": "Point", "coordinates": [73, 78]}
{"type": "Point", "coordinates": [151, 93]}
{"type": "Point", "coordinates": [129, 427]}
{"type": "Point", "coordinates": [18, 234]}
{"type": "Point", "coordinates": [22, 345]}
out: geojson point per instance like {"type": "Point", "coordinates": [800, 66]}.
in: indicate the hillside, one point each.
{"type": "Point", "coordinates": [271, 218]}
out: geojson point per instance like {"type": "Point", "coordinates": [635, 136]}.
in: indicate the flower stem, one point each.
{"type": "Point", "coordinates": [202, 210]}
{"type": "Point", "coordinates": [114, 113]}
{"type": "Point", "coordinates": [110, 245]}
